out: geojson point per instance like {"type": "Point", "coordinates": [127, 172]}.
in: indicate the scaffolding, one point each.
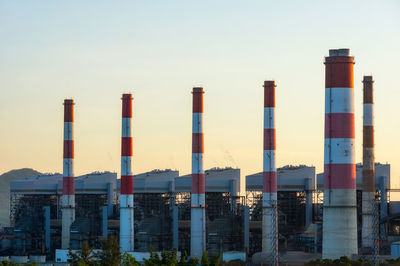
{"type": "Point", "coordinates": [225, 224]}
{"type": "Point", "coordinates": [291, 218]}
{"type": "Point", "coordinates": [27, 218]}
{"type": "Point", "coordinates": [224, 218]}
{"type": "Point", "coordinates": [153, 221]}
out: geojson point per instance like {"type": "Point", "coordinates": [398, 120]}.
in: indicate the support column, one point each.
{"type": "Point", "coordinates": [104, 221]}
{"type": "Point", "coordinates": [246, 228]}
{"type": "Point", "coordinates": [309, 203]}
{"type": "Point", "coordinates": [46, 214]}
{"type": "Point", "coordinates": [384, 206]}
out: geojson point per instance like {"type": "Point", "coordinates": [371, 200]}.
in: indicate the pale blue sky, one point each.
{"type": "Point", "coordinates": [159, 50]}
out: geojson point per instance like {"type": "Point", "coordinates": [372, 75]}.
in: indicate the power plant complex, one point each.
{"type": "Point", "coordinates": [344, 211]}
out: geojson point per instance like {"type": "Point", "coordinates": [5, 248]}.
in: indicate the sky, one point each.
{"type": "Point", "coordinates": [93, 51]}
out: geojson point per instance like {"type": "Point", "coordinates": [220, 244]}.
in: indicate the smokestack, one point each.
{"type": "Point", "coordinates": [126, 189]}
{"type": "Point", "coordinates": [269, 220]}
{"type": "Point", "coordinates": [340, 213]}
{"type": "Point", "coordinates": [198, 215]}
{"type": "Point", "coordinates": [68, 196]}
{"type": "Point", "coordinates": [368, 172]}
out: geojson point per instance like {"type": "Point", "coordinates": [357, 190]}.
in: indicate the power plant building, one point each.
{"type": "Point", "coordinates": [162, 211]}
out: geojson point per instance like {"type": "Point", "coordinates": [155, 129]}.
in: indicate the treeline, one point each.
{"type": "Point", "coordinates": [110, 255]}
{"type": "Point", "coordinates": [349, 262]}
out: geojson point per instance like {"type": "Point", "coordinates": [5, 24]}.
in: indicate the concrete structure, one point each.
{"type": "Point", "coordinates": [368, 172]}
{"type": "Point", "coordinates": [340, 213]}
{"type": "Point", "coordinates": [269, 203]}
{"type": "Point", "coordinates": [68, 198]}
{"type": "Point", "coordinates": [198, 213]}
{"type": "Point", "coordinates": [126, 192]}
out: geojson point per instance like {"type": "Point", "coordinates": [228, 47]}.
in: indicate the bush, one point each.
{"type": "Point", "coordinates": [129, 260]}
{"type": "Point", "coordinates": [83, 257]}
{"type": "Point", "coordinates": [110, 254]}
{"type": "Point", "coordinates": [342, 261]}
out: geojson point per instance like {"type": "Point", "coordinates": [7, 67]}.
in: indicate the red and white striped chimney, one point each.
{"type": "Point", "coordinates": [368, 172]}
{"type": "Point", "coordinates": [198, 220]}
{"type": "Point", "coordinates": [126, 188]}
{"type": "Point", "coordinates": [269, 218]}
{"type": "Point", "coordinates": [340, 213]}
{"type": "Point", "coordinates": [68, 196]}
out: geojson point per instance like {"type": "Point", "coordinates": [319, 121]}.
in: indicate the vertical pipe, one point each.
{"type": "Point", "coordinates": [269, 220]}
{"type": "Point", "coordinates": [384, 205]}
{"type": "Point", "coordinates": [308, 189]}
{"type": "Point", "coordinates": [246, 228]}
{"type": "Point", "coordinates": [68, 197]}
{"type": "Point", "coordinates": [46, 214]}
{"type": "Point", "coordinates": [104, 221]}
{"type": "Point", "coordinates": [126, 236]}
{"type": "Point", "coordinates": [198, 221]}
{"type": "Point", "coordinates": [340, 213]}
{"type": "Point", "coordinates": [175, 228]}
{"type": "Point", "coordinates": [110, 199]}
{"type": "Point", "coordinates": [368, 171]}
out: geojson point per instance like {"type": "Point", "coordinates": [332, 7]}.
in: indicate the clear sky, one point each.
{"type": "Point", "coordinates": [93, 51]}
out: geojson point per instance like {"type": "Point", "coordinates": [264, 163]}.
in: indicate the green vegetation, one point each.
{"type": "Point", "coordinates": [342, 261]}
{"type": "Point", "coordinates": [10, 263]}
{"type": "Point", "coordinates": [110, 255]}
{"type": "Point", "coordinates": [82, 257]}
{"type": "Point", "coordinates": [129, 260]}
{"type": "Point", "coordinates": [393, 262]}
{"type": "Point", "coordinates": [349, 262]}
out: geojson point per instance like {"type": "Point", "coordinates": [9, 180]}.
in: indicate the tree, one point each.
{"type": "Point", "coordinates": [82, 257]}
{"type": "Point", "coordinates": [204, 259]}
{"type": "Point", "coordinates": [154, 258]}
{"type": "Point", "coordinates": [129, 260]}
{"type": "Point", "coordinates": [183, 259]}
{"type": "Point", "coordinates": [110, 254]}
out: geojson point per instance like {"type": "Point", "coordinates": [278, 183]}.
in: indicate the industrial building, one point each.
{"type": "Point", "coordinates": [161, 205]}
{"type": "Point", "coordinates": [36, 211]}
{"type": "Point", "coordinates": [162, 210]}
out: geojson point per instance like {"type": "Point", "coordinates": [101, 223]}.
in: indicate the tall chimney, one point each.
{"type": "Point", "coordinates": [340, 213]}
{"type": "Point", "coordinates": [68, 196]}
{"type": "Point", "coordinates": [126, 189]}
{"type": "Point", "coordinates": [198, 215]}
{"type": "Point", "coordinates": [368, 172]}
{"type": "Point", "coordinates": [269, 203]}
